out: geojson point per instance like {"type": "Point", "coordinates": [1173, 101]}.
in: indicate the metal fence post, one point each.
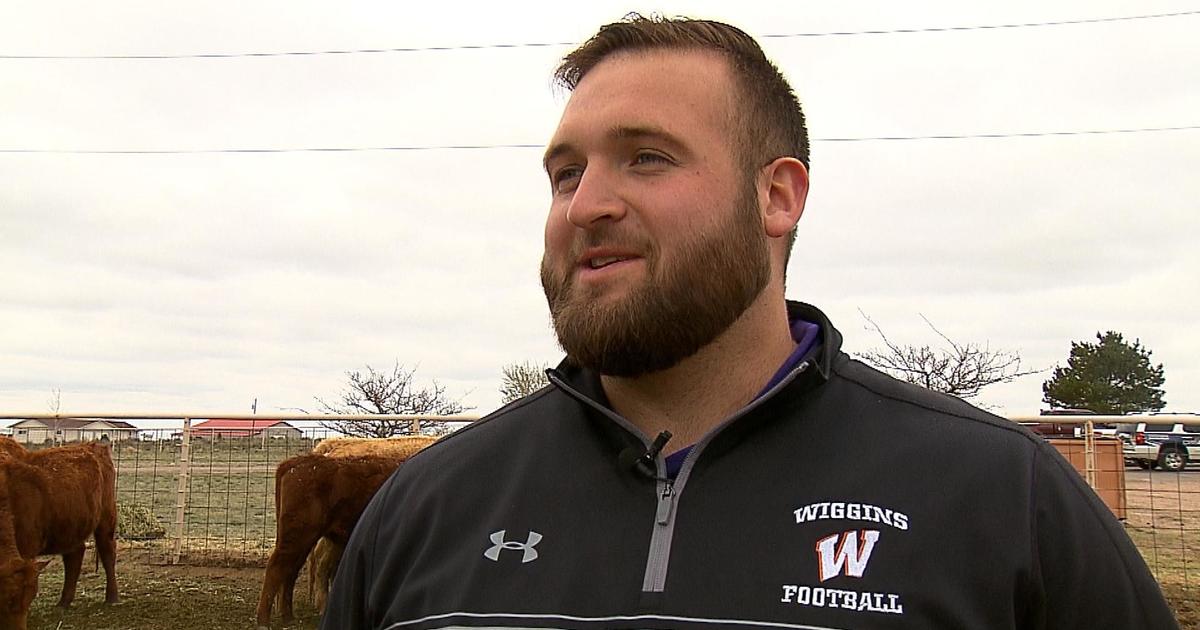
{"type": "Point", "coordinates": [181, 496]}
{"type": "Point", "coordinates": [1089, 452]}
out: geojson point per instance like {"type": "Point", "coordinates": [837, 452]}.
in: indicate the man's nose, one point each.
{"type": "Point", "coordinates": [596, 199]}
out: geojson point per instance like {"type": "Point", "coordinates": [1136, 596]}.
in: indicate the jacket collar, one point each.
{"type": "Point", "coordinates": [831, 339]}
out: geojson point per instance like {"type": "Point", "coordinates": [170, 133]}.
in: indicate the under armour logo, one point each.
{"type": "Point", "coordinates": [498, 543]}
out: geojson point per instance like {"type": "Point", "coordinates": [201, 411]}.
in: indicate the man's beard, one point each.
{"type": "Point", "coordinates": [713, 278]}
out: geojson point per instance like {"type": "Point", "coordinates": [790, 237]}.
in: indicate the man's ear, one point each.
{"type": "Point", "coordinates": [786, 190]}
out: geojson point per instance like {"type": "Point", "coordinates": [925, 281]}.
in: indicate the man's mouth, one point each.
{"type": "Point", "coordinates": [604, 261]}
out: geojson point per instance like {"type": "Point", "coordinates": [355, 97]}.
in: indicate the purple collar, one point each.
{"type": "Point", "coordinates": [806, 335]}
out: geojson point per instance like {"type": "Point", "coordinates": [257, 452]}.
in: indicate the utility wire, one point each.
{"type": "Point", "coordinates": [945, 29]}
{"type": "Point", "coordinates": [479, 147]}
{"type": "Point", "coordinates": [1030, 134]}
{"type": "Point", "coordinates": [444, 147]}
{"type": "Point", "coordinates": [302, 53]}
{"type": "Point", "coordinates": [362, 51]}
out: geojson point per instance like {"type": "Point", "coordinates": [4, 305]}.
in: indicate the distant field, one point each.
{"type": "Point", "coordinates": [230, 501]}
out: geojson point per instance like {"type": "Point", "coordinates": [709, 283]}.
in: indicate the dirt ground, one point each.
{"type": "Point", "coordinates": [160, 597]}
{"type": "Point", "coordinates": [1163, 519]}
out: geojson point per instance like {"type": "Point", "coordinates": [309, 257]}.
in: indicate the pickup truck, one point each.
{"type": "Point", "coordinates": [1166, 445]}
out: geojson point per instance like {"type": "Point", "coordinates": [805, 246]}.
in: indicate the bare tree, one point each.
{"type": "Point", "coordinates": [961, 369]}
{"type": "Point", "coordinates": [392, 393]}
{"type": "Point", "coordinates": [54, 403]}
{"type": "Point", "coordinates": [521, 380]}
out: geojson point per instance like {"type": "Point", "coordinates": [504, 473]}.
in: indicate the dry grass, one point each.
{"type": "Point", "coordinates": [1163, 519]}
{"type": "Point", "coordinates": [155, 596]}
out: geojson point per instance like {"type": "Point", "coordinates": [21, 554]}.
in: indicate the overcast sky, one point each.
{"type": "Point", "coordinates": [202, 281]}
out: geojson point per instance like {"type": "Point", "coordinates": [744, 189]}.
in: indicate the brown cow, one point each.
{"type": "Point", "coordinates": [324, 559]}
{"type": "Point", "coordinates": [51, 502]}
{"type": "Point", "coordinates": [402, 447]}
{"type": "Point", "coordinates": [11, 448]}
{"type": "Point", "coordinates": [322, 566]}
{"type": "Point", "coordinates": [315, 496]}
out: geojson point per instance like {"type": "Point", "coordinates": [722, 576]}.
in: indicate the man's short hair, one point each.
{"type": "Point", "coordinates": [769, 122]}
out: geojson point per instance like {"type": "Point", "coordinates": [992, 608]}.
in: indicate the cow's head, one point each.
{"type": "Point", "coordinates": [18, 586]}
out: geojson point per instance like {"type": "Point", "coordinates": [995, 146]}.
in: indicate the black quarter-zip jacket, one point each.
{"type": "Point", "coordinates": [840, 499]}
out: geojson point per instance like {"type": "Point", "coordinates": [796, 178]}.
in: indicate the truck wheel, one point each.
{"type": "Point", "coordinates": [1173, 460]}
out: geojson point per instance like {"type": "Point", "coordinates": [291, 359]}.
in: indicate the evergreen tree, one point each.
{"type": "Point", "coordinates": [1110, 377]}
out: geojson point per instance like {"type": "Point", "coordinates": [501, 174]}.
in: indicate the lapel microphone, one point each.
{"type": "Point", "coordinates": [643, 461]}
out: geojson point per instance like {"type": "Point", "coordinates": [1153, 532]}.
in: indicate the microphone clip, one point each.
{"type": "Point", "coordinates": [647, 462]}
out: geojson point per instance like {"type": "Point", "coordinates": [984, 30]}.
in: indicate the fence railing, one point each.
{"type": "Point", "coordinates": [192, 492]}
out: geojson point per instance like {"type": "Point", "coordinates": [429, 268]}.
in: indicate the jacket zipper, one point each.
{"type": "Point", "coordinates": [666, 500]}
{"type": "Point", "coordinates": [659, 556]}
{"type": "Point", "coordinates": [655, 578]}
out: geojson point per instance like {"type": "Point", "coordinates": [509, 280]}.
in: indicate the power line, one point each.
{"type": "Point", "coordinates": [412, 49]}
{"type": "Point", "coordinates": [480, 147]}
{"type": "Point", "coordinates": [1029, 134]}
{"type": "Point", "coordinates": [945, 29]}
{"type": "Point", "coordinates": [443, 147]}
{"type": "Point", "coordinates": [302, 53]}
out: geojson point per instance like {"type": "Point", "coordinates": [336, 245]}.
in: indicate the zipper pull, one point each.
{"type": "Point", "coordinates": [665, 501]}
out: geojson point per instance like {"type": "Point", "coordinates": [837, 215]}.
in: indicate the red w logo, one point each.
{"type": "Point", "coordinates": [847, 552]}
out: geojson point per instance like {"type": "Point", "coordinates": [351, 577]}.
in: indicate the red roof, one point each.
{"type": "Point", "coordinates": [218, 423]}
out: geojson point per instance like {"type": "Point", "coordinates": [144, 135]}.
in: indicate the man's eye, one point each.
{"type": "Point", "coordinates": [650, 157]}
{"type": "Point", "coordinates": [565, 179]}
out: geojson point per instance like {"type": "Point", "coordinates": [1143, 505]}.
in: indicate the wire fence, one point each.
{"type": "Point", "coordinates": [216, 506]}
{"type": "Point", "coordinates": [199, 491]}
{"type": "Point", "coordinates": [202, 493]}
{"type": "Point", "coordinates": [1160, 509]}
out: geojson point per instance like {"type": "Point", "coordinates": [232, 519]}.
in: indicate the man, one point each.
{"type": "Point", "coordinates": [706, 456]}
